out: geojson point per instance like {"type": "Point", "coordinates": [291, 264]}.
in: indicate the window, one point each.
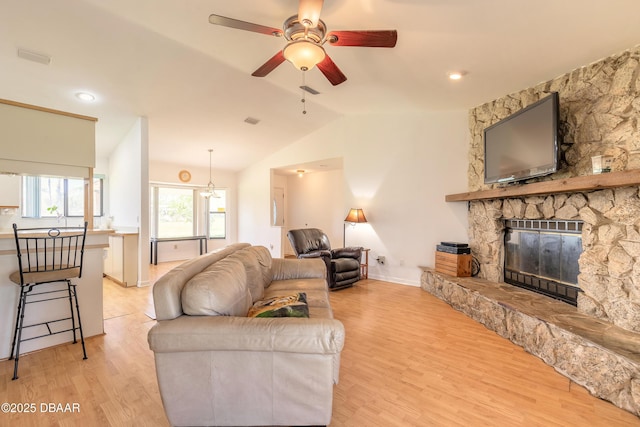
{"type": "Point", "coordinates": [175, 212]}
{"type": "Point", "coordinates": [46, 197]}
{"type": "Point", "coordinates": [178, 211]}
{"type": "Point", "coordinates": [218, 215]}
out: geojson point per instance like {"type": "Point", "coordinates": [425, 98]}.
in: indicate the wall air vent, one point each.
{"type": "Point", "coordinates": [252, 120]}
{"type": "Point", "coordinates": [311, 90]}
{"type": "Point", "coordinates": [34, 56]}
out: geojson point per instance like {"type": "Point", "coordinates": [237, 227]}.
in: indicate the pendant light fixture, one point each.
{"type": "Point", "coordinates": [211, 188]}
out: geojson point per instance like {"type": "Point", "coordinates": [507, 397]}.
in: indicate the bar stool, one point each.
{"type": "Point", "coordinates": [47, 255]}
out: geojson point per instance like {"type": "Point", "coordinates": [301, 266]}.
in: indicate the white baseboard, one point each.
{"type": "Point", "coordinates": [397, 280]}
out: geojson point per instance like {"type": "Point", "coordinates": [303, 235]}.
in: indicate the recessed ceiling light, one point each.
{"type": "Point", "coordinates": [85, 96]}
{"type": "Point", "coordinates": [457, 75]}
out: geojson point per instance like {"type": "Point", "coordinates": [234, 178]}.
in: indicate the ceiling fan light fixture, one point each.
{"type": "Point", "coordinates": [304, 54]}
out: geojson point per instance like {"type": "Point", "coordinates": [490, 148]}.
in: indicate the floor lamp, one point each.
{"type": "Point", "coordinates": [354, 216]}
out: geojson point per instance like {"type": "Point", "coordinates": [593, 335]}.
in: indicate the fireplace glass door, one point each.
{"type": "Point", "coordinates": [543, 256]}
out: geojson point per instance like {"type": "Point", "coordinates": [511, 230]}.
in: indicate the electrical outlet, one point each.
{"type": "Point", "coordinates": [175, 246]}
{"type": "Point", "coordinates": [381, 259]}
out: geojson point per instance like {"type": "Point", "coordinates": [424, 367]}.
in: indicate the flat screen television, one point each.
{"type": "Point", "coordinates": [523, 145]}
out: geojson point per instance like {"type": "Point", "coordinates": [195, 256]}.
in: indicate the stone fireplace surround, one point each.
{"type": "Point", "coordinates": [609, 277]}
{"type": "Point", "coordinates": [599, 112]}
{"type": "Point", "coordinates": [597, 344]}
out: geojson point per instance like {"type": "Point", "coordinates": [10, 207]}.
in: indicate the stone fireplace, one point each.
{"type": "Point", "coordinates": [596, 343]}
{"type": "Point", "coordinates": [599, 110]}
{"type": "Point", "coordinates": [609, 278]}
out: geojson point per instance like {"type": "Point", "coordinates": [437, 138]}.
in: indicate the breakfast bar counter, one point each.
{"type": "Point", "coordinates": [89, 288]}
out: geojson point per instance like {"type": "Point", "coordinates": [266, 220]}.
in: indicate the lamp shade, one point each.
{"type": "Point", "coordinates": [303, 54]}
{"type": "Point", "coordinates": [355, 215]}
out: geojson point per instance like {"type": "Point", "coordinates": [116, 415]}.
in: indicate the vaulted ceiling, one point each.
{"type": "Point", "coordinates": [162, 59]}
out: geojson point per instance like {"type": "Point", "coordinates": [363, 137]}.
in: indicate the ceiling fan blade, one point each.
{"type": "Point", "coordinates": [243, 25]}
{"type": "Point", "coordinates": [270, 65]}
{"type": "Point", "coordinates": [383, 38]}
{"type": "Point", "coordinates": [310, 10]}
{"type": "Point", "coordinates": [331, 71]}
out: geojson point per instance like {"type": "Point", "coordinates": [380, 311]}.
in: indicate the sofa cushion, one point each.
{"type": "Point", "coordinates": [294, 305]}
{"type": "Point", "coordinates": [320, 312]}
{"type": "Point", "coordinates": [220, 290]}
{"type": "Point", "coordinates": [167, 290]}
{"type": "Point", "coordinates": [314, 297]}
{"type": "Point", "coordinates": [257, 263]}
{"type": "Point", "coordinates": [298, 285]}
{"type": "Point", "coordinates": [265, 261]}
{"type": "Point", "coordinates": [310, 268]}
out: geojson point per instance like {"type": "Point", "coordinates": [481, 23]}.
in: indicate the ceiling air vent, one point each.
{"type": "Point", "coordinates": [311, 90]}
{"type": "Point", "coordinates": [34, 56]}
{"type": "Point", "coordinates": [252, 120]}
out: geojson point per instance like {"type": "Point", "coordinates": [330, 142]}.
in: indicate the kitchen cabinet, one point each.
{"type": "Point", "coordinates": [121, 260]}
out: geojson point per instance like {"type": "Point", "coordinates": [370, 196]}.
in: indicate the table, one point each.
{"type": "Point", "coordinates": [156, 240]}
{"type": "Point", "coordinates": [364, 266]}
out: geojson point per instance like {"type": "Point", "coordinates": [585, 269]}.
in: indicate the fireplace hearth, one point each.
{"type": "Point", "coordinates": [542, 256]}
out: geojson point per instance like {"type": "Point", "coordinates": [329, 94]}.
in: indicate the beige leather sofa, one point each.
{"type": "Point", "coordinates": [217, 367]}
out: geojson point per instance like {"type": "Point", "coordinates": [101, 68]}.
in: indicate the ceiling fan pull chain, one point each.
{"type": "Point", "coordinates": [304, 98]}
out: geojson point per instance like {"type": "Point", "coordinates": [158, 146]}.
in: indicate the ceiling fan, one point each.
{"type": "Point", "coordinates": [306, 34]}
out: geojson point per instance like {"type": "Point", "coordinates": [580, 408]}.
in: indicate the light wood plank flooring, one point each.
{"type": "Point", "coordinates": [409, 360]}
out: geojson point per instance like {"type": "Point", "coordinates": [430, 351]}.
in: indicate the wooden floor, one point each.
{"type": "Point", "coordinates": [409, 360]}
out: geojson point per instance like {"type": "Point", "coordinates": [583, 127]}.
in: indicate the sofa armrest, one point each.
{"type": "Point", "coordinates": [349, 252]}
{"type": "Point", "coordinates": [309, 268]}
{"type": "Point", "coordinates": [323, 253]}
{"type": "Point", "coordinates": [227, 333]}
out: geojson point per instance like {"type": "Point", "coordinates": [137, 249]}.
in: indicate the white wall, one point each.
{"type": "Point", "coordinates": [398, 168]}
{"type": "Point", "coordinates": [144, 233]}
{"type": "Point", "coordinates": [128, 182]}
{"type": "Point", "coordinates": [9, 196]}
{"type": "Point", "coordinates": [124, 180]}
{"type": "Point", "coordinates": [9, 190]}
{"type": "Point", "coordinates": [254, 208]}
{"type": "Point", "coordinates": [281, 181]}
{"type": "Point", "coordinates": [316, 200]}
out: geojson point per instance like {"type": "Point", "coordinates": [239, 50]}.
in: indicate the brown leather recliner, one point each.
{"type": "Point", "coordinates": [343, 265]}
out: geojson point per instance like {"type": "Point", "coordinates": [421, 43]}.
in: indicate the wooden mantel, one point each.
{"type": "Point", "coordinates": [566, 185]}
